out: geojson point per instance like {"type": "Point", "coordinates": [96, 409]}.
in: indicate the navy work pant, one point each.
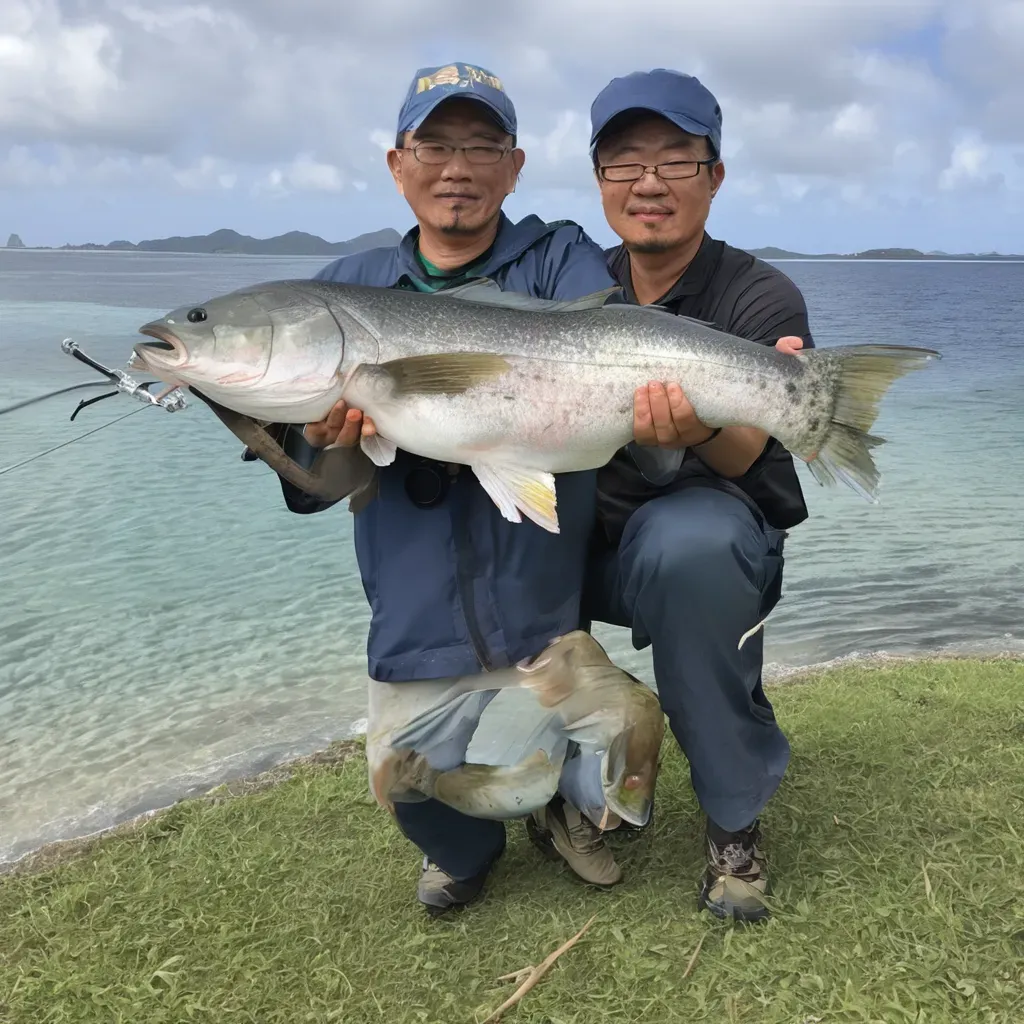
{"type": "Point", "coordinates": [693, 572]}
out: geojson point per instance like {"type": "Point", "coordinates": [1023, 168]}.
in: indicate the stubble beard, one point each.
{"type": "Point", "coordinates": [651, 246]}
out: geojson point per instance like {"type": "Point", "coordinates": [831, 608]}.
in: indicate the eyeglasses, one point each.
{"type": "Point", "coordinates": [437, 153]}
{"type": "Point", "coordinates": [668, 171]}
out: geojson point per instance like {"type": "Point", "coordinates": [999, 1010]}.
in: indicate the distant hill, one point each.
{"type": "Point", "coordinates": [300, 243]}
{"type": "Point", "coordinates": [771, 252]}
{"type": "Point", "coordinates": [293, 243]}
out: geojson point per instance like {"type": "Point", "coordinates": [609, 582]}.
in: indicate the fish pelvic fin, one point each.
{"type": "Point", "coordinates": [515, 489]}
{"type": "Point", "coordinates": [379, 450]}
{"type": "Point", "coordinates": [443, 373]}
{"type": "Point", "coordinates": [866, 373]}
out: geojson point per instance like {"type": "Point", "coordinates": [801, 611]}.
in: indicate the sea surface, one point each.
{"type": "Point", "coordinates": [165, 623]}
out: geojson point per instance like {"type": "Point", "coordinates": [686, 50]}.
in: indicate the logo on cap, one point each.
{"type": "Point", "coordinates": [449, 75]}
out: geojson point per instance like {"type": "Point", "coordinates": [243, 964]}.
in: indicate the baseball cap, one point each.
{"type": "Point", "coordinates": [431, 86]}
{"type": "Point", "coordinates": [676, 96]}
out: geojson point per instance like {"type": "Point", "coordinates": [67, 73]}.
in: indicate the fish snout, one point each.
{"type": "Point", "coordinates": [162, 348]}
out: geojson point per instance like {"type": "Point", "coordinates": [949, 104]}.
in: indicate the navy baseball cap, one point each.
{"type": "Point", "coordinates": [678, 97]}
{"type": "Point", "coordinates": [431, 86]}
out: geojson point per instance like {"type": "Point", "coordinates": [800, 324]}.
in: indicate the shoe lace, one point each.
{"type": "Point", "coordinates": [736, 859]}
{"type": "Point", "coordinates": [585, 836]}
{"type": "Point", "coordinates": [431, 868]}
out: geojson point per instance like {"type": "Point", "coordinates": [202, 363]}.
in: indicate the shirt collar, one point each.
{"type": "Point", "coordinates": [694, 279]}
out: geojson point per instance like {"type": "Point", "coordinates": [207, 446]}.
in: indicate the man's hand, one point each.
{"type": "Point", "coordinates": [663, 415]}
{"type": "Point", "coordinates": [342, 426]}
{"type": "Point", "coordinates": [790, 345]}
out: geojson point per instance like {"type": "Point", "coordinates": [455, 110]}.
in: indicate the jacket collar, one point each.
{"type": "Point", "coordinates": [511, 241]}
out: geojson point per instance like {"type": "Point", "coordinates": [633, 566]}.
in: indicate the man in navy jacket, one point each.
{"type": "Point", "coordinates": [453, 587]}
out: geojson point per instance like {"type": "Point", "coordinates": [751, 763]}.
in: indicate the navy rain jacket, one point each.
{"type": "Point", "coordinates": [456, 588]}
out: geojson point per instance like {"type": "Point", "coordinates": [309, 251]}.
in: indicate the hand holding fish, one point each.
{"type": "Point", "coordinates": [342, 426]}
{"type": "Point", "coordinates": [663, 416]}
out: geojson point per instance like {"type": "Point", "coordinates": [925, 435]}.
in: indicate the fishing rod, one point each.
{"type": "Point", "coordinates": [172, 399]}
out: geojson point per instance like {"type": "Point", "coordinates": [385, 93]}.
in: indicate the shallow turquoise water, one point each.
{"type": "Point", "coordinates": [164, 621]}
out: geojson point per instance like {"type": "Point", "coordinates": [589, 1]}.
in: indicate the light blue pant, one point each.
{"type": "Point", "coordinates": [693, 573]}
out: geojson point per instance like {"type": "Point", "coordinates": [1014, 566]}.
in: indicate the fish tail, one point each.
{"type": "Point", "coordinates": [865, 374]}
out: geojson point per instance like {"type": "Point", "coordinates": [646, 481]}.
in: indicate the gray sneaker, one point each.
{"type": "Point", "coordinates": [560, 830]}
{"type": "Point", "coordinates": [439, 892]}
{"type": "Point", "coordinates": [736, 879]}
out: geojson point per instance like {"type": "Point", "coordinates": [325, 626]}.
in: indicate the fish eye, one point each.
{"type": "Point", "coordinates": [196, 316]}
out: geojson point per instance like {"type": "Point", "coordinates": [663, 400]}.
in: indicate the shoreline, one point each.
{"type": "Point", "coordinates": [1012, 258]}
{"type": "Point", "coordinates": [53, 854]}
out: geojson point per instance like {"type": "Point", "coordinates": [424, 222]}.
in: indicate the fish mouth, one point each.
{"type": "Point", "coordinates": [163, 345]}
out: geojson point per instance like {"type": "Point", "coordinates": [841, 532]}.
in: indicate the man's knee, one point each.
{"type": "Point", "coordinates": [692, 538]}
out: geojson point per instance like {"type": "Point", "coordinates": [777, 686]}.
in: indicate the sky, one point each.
{"type": "Point", "coordinates": [848, 124]}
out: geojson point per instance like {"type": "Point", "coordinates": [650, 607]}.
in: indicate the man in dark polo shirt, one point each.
{"type": "Point", "coordinates": [691, 521]}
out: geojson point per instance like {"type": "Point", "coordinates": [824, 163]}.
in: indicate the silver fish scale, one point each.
{"type": "Point", "coordinates": [726, 379]}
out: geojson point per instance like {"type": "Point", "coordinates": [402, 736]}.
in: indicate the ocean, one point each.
{"type": "Point", "coordinates": [165, 623]}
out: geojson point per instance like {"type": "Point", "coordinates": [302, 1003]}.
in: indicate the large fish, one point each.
{"type": "Point", "coordinates": [422, 737]}
{"type": "Point", "coordinates": [514, 387]}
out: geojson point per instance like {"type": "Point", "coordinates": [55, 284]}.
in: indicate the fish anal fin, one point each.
{"type": "Point", "coordinates": [513, 488]}
{"type": "Point", "coordinates": [443, 373]}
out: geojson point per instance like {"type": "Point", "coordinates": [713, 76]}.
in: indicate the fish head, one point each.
{"type": "Point", "coordinates": [254, 341]}
{"type": "Point", "coordinates": [630, 764]}
{"type": "Point", "coordinates": [569, 663]}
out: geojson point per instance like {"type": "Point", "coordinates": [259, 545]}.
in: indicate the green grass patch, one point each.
{"type": "Point", "coordinates": [895, 845]}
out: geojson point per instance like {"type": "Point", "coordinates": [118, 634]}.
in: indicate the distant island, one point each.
{"type": "Point", "coordinates": [772, 253]}
{"type": "Point", "coordinates": [228, 242]}
{"type": "Point", "coordinates": [300, 243]}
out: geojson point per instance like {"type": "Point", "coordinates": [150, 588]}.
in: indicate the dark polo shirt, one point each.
{"type": "Point", "coordinates": [745, 296]}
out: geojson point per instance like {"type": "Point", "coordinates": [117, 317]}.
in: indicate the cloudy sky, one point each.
{"type": "Point", "coordinates": [849, 124]}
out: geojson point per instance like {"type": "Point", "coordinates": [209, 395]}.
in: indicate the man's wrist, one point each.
{"type": "Point", "coordinates": [715, 431]}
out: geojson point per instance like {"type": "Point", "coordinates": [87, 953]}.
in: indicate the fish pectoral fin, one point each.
{"type": "Point", "coordinates": [516, 488]}
{"type": "Point", "coordinates": [379, 450]}
{"type": "Point", "coordinates": [443, 373]}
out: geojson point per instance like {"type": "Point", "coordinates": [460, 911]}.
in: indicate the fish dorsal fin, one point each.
{"type": "Point", "coordinates": [484, 290]}
{"type": "Point", "coordinates": [694, 320]}
{"type": "Point", "coordinates": [654, 311]}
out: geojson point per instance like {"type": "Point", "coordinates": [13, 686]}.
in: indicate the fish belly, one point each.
{"type": "Point", "coordinates": [278, 404]}
{"type": "Point", "coordinates": [546, 416]}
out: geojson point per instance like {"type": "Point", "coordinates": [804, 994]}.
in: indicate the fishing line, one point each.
{"type": "Point", "coordinates": [64, 444]}
{"type": "Point", "coordinates": [51, 394]}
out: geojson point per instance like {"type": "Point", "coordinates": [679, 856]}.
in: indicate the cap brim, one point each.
{"type": "Point", "coordinates": [490, 107]}
{"type": "Point", "coordinates": [679, 120]}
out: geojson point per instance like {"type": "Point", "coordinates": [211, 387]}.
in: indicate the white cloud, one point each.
{"type": "Point", "coordinates": [207, 172]}
{"type": "Point", "coordinates": [854, 121]}
{"type": "Point", "coordinates": [382, 140]}
{"type": "Point", "coordinates": [303, 174]}
{"type": "Point", "coordinates": [967, 164]}
{"type": "Point", "coordinates": [841, 100]}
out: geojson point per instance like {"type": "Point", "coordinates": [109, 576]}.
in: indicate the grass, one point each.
{"type": "Point", "coordinates": [895, 842]}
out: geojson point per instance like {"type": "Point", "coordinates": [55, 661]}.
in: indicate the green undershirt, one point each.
{"type": "Point", "coordinates": [437, 278]}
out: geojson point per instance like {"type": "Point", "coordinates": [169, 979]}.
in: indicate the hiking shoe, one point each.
{"type": "Point", "coordinates": [560, 830]}
{"type": "Point", "coordinates": [736, 880]}
{"type": "Point", "coordinates": [439, 892]}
